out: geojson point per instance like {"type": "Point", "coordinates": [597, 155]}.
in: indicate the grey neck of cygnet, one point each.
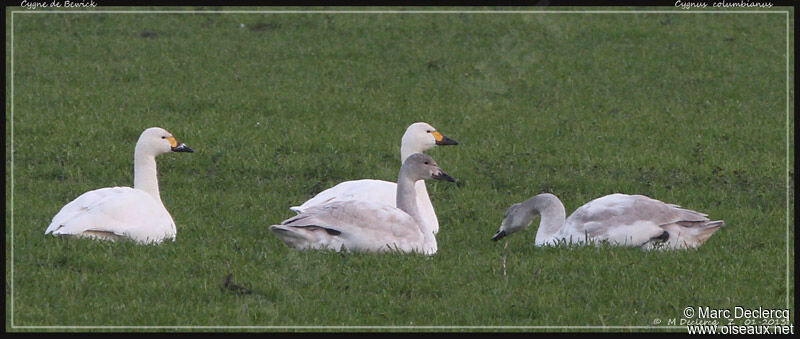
{"type": "Point", "coordinates": [407, 196]}
{"type": "Point", "coordinates": [552, 213]}
{"type": "Point", "coordinates": [407, 202]}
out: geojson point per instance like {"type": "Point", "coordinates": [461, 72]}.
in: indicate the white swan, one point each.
{"type": "Point", "coordinates": [366, 226]}
{"type": "Point", "coordinates": [620, 219]}
{"type": "Point", "coordinates": [418, 138]}
{"type": "Point", "coordinates": [136, 213]}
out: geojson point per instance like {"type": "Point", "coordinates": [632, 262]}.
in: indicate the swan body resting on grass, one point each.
{"type": "Point", "coordinates": [620, 219]}
{"type": "Point", "coordinates": [114, 213]}
{"type": "Point", "coordinates": [367, 226]}
{"type": "Point", "coordinates": [418, 138]}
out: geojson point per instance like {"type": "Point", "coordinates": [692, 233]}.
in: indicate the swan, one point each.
{"type": "Point", "coordinates": [418, 138]}
{"type": "Point", "coordinates": [368, 226]}
{"type": "Point", "coordinates": [620, 219]}
{"type": "Point", "coordinates": [114, 213]}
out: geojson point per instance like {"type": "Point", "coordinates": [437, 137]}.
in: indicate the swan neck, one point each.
{"type": "Point", "coordinates": [407, 196]}
{"type": "Point", "coordinates": [407, 150]}
{"type": "Point", "coordinates": [145, 174]}
{"type": "Point", "coordinates": [552, 213]}
{"type": "Point", "coordinates": [422, 190]}
{"type": "Point", "coordinates": [410, 145]}
{"type": "Point", "coordinates": [407, 202]}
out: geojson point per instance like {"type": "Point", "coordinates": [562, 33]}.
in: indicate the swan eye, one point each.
{"type": "Point", "coordinates": [428, 131]}
{"type": "Point", "coordinates": [427, 163]}
{"type": "Point", "coordinates": [163, 137]}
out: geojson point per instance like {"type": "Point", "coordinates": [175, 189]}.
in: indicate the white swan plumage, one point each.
{"type": "Point", "coordinates": [135, 213]}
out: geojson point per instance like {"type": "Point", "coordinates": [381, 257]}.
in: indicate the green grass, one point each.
{"type": "Point", "coordinates": [686, 108]}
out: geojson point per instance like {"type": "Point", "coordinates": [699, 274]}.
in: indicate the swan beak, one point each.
{"type": "Point", "coordinates": [500, 234]}
{"type": "Point", "coordinates": [444, 176]}
{"type": "Point", "coordinates": [182, 148]}
{"type": "Point", "coordinates": [443, 140]}
{"type": "Point", "coordinates": [176, 146]}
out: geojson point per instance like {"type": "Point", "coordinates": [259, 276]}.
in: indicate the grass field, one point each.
{"type": "Point", "coordinates": [687, 108]}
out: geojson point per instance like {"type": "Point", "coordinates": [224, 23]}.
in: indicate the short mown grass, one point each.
{"type": "Point", "coordinates": [686, 108]}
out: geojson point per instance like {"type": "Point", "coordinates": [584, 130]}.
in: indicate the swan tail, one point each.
{"type": "Point", "coordinates": [691, 234]}
{"type": "Point", "coordinates": [290, 237]}
{"type": "Point", "coordinates": [301, 232]}
{"type": "Point", "coordinates": [703, 232]}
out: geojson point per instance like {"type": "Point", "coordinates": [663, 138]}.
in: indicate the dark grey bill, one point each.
{"type": "Point", "coordinates": [499, 235]}
{"type": "Point", "coordinates": [444, 176]}
{"type": "Point", "coordinates": [446, 141]}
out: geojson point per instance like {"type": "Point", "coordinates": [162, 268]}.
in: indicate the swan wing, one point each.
{"type": "Point", "coordinates": [378, 191]}
{"type": "Point", "coordinates": [630, 220]}
{"type": "Point", "coordinates": [365, 189]}
{"type": "Point", "coordinates": [355, 225]}
{"type": "Point", "coordinates": [122, 211]}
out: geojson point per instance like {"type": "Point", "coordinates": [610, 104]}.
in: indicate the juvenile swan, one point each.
{"type": "Point", "coordinates": [621, 219]}
{"type": "Point", "coordinates": [367, 226]}
{"type": "Point", "coordinates": [136, 213]}
{"type": "Point", "coordinates": [418, 138]}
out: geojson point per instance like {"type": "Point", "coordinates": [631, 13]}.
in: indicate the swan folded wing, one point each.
{"type": "Point", "coordinates": [365, 189]}
{"type": "Point", "coordinates": [378, 191]}
{"type": "Point", "coordinates": [304, 231]}
{"type": "Point", "coordinates": [353, 224]}
{"type": "Point", "coordinates": [630, 220]}
{"type": "Point", "coordinates": [122, 211]}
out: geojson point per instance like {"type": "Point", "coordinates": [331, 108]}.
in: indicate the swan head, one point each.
{"type": "Point", "coordinates": [421, 136]}
{"type": "Point", "coordinates": [516, 218]}
{"type": "Point", "coordinates": [156, 140]}
{"type": "Point", "coordinates": [420, 166]}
